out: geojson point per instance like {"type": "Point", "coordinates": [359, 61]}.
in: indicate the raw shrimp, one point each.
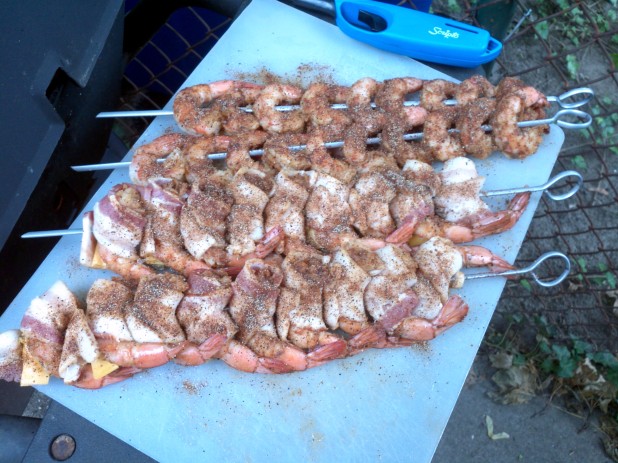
{"type": "Point", "coordinates": [437, 140]}
{"type": "Point", "coordinates": [87, 379]}
{"type": "Point", "coordinates": [367, 121]}
{"type": "Point", "coordinates": [322, 161]}
{"type": "Point", "coordinates": [162, 242]}
{"type": "Point", "coordinates": [316, 105]}
{"type": "Point", "coordinates": [461, 215]}
{"type": "Point", "coordinates": [435, 92]}
{"type": "Point", "coordinates": [238, 150]}
{"type": "Point", "coordinates": [145, 165]}
{"type": "Point", "coordinates": [10, 356]}
{"type": "Point", "coordinates": [275, 121]}
{"type": "Point", "coordinates": [473, 88]}
{"type": "Point", "coordinates": [409, 120]}
{"type": "Point", "coordinates": [203, 317]}
{"type": "Point", "coordinates": [245, 224]}
{"type": "Point", "coordinates": [197, 110]}
{"type": "Point", "coordinates": [279, 156]}
{"type": "Point", "coordinates": [203, 219]}
{"type": "Point", "coordinates": [286, 207]}
{"type": "Point", "coordinates": [512, 140]}
{"type": "Point", "coordinates": [253, 305]}
{"type": "Point", "coordinates": [299, 308]}
{"type": "Point", "coordinates": [107, 305]}
{"type": "Point", "coordinates": [475, 140]}
{"type": "Point", "coordinates": [199, 168]}
{"type": "Point", "coordinates": [392, 94]}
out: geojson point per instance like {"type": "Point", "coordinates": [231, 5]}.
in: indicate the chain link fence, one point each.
{"type": "Point", "coordinates": [558, 46]}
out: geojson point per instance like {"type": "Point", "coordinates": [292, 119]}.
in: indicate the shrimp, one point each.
{"type": "Point", "coordinates": [461, 214]}
{"type": "Point", "coordinates": [245, 224]}
{"type": "Point", "coordinates": [371, 195]}
{"type": "Point", "coordinates": [437, 140]}
{"type": "Point", "coordinates": [238, 151]}
{"type": "Point", "coordinates": [323, 162]}
{"type": "Point", "coordinates": [199, 168]}
{"type": "Point", "coordinates": [10, 356]}
{"type": "Point", "coordinates": [87, 380]}
{"type": "Point", "coordinates": [512, 140]}
{"type": "Point", "coordinates": [162, 242]}
{"type": "Point", "coordinates": [476, 142]}
{"type": "Point", "coordinates": [434, 93]}
{"type": "Point", "coordinates": [203, 219]}
{"type": "Point", "coordinates": [203, 317]}
{"type": "Point", "coordinates": [252, 307]}
{"type": "Point", "coordinates": [275, 121]}
{"type": "Point", "coordinates": [391, 96]}
{"type": "Point", "coordinates": [197, 110]}
{"type": "Point", "coordinates": [473, 88]}
{"type": "Point", "coordinates": [279, 156]}
{"type": "Point", "coordinates": [299, 308]}
{"type": "Point", "coordinates": [316, 105]}
{"type": "Point", "coordinates": [410, 119]}
{"type": "Point", "coordinates": [328, 214]}
{"type": "Point", "coordinates": [286, 207]}
{"type": "Point", "coordinates": [107, 305]}
{"type": "Point", "coordinates": [145, 165]}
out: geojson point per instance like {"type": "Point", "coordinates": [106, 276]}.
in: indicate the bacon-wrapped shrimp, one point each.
{"type": "Point", "coordinates": [203, 316]}
{"type": "Point", "coordinates": [253, 305]}
{"type": "Point", "coordinates": [11, 363]}
{"type": "Point", "coordinates": [300, 318]}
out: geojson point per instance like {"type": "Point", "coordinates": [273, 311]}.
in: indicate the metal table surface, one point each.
{"type": "Point", "coordinates": [383, 404]}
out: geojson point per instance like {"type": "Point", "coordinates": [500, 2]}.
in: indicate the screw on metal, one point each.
{"type": "Point", "coordinates": [531, 270]}
{"type": "Point", "coordinates": [545, 187]}
{"type": "Point", "coordinates": [62, 447]}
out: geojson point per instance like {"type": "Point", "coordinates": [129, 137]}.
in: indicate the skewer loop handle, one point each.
{"type": "Point", "coordinates": [531, 268]}
{"type": "Point", "coordinates": [583, 96]}
{"type": "Point", "coordinates": [548, 255]}
{"type": "Point", "coordinates": [566, 195]}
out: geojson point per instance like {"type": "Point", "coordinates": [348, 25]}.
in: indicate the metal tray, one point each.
{"type": "Point", "coordinates": [383, 404]}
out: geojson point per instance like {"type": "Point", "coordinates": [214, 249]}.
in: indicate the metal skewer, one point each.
{"type": "Point", "coordinates": [584, 117]}
{"type": "Point", "coordinates": [585, 93]}
{"type": "Point", "coordinates": [530, 269]}
{"type": "Point", "coordinates": [544, 187]}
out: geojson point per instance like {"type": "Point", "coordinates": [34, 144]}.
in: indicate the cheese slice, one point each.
{"type": "Point", "coordinates": [101, 367]}
{"type": "Point", "coordinates": [32, 372]}
{"type": "Point", "coordinates": [97, 261]}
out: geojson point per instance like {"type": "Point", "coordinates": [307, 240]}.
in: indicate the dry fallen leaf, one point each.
{"type": "Point", "coordinates": [490, 430]}
{"type": "Point", "coordinates": [598, 189]}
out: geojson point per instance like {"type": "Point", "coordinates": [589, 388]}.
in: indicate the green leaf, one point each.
{"type": "Point", "coordinates": [612, 376]}
{"type": "Point", "coordinates": [526, 284]}
{"type": "Point", "coordinates": [614, 149]}
{"type": "Point", "coordinates": [581, 347]}
{"type": "Point", "coordinates": [572, 66]}
{"type": "Point", "coordinates": [602, 267]}
{"type": "Point", "coordinates": [542, 29]}
{"type": "Point", "coordinates": [615, 55]}
{"type": "Point", "coordinates": [579, 162]}
{"type": "Point", "coordinates": [548, 365]}
{"type": "Point", "coordinates": [582, 264]}
{"type": "Point", "coordinates": [562, 352]}
{"type": "Point", "coordinates": [519, 359]}
{"type": "Point", "coordinates": [610, 279]}
{"type": "Point", "coordinates": [566, 368]}
{"type": "Point", "coordinates": [606, 359]}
